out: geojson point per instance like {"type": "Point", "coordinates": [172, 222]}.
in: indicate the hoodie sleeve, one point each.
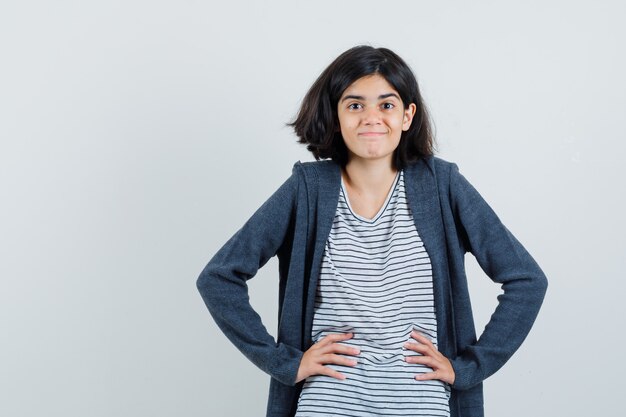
{"type": "Point", "coordinates": [503, 258]}
{"type": "Point", "coordinates": [223, 283]}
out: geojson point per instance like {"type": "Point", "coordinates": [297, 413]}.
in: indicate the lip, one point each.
{"type": "Point", "coordinates": [371, 134]}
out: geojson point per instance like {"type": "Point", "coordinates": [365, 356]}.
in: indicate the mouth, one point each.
{"type": "Point", "coordinates": [372, 134]}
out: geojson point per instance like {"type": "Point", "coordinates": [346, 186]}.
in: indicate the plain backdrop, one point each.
{"type": "Point", "coordinates": [138, 136]}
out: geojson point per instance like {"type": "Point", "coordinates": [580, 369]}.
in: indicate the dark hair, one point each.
{"type": "Point", "coordinates": [317, 123]}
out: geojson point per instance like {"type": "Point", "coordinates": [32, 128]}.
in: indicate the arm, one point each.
{"type": "Point", "coordinates": [222, 283]}
{"type": "Point", "coordinates": [503, 258]}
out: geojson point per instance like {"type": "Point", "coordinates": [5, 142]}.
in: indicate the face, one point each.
{"type": "Point", "coordinates": [372, 118]}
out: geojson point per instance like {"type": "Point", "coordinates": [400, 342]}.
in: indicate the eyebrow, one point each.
{"type": "Point", "coordinates": [380, 97]}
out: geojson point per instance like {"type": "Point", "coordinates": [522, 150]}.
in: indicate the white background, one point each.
{"type": "Point", "coordinates": [138, 136]}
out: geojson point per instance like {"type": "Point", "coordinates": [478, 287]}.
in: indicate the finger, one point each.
{"type": "Point", "coordinates": [417, 347]}
{"type": "Point", "coordinates": [422, 339]}
{"type": "Point", "coordinates": [340, 360]}
{"type": "Point", "coordinates": [426, 376]}
{"type": "Point", "coordinates": [440, 375]}
{"type": "Point", "coordinates": [424, 350]}
{"type": "Point", "coordinates": [328, 371]}
{"type": "Point", "coordinates": [344, 349]}
{"type": "Point", "coordinates": [334, 337]}
{"type": "Point", "coordinates": [423, 360]}
{"type": "Point", "coordinates": [430, 348]}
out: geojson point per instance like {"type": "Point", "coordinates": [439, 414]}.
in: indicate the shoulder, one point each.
{"type": "Point", "coordinates": [439, 168]}
{"type": "Point", "coordinates": [314, 169]}
{"type": "Point", "coordinates": [310, 165]}
{"type": "Point", "coordinates": [443, 165]}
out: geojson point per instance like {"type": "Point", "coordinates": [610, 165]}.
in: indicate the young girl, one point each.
{"type": "Point", "coordinates": [374, 311]}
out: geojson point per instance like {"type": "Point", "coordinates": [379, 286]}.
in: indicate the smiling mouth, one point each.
{"type": "Point", "coordinates": [371, 134]}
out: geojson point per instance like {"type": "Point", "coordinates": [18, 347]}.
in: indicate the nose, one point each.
{"type": "Point", "coordinates": [371, 116]}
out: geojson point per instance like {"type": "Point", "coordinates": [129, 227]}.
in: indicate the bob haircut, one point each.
{"type": "Point", "coordinates": [317, 123]}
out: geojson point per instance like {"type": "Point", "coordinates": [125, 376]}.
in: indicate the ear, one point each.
{"type": "Point", "coordinates": [409, 112]}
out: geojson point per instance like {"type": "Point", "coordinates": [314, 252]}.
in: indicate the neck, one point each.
{"type": "Point", "coordinates": [368, 176]}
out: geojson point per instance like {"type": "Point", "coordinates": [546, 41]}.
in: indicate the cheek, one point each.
{"type": "Point", "coordinates": [396, 122]}
{"type": "Point", "coordinates": [346, 124]}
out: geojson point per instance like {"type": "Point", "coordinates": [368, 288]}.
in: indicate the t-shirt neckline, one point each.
{"type": "Point", "coordinates": [382, 208]}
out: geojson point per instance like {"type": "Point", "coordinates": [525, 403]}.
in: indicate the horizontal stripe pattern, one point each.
{"type": "Point", "coordinates": [376, 282]}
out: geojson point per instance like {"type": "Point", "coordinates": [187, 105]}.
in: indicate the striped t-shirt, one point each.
{"type": "Point", "coordinates": [376, 282]}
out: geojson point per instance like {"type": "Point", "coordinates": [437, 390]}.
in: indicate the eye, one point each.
{"type": "Point", "coordinates": [354, 106]}
{"type": "Point", "coordinates": [388, 106]}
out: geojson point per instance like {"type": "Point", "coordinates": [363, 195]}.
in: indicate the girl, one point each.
{"type": "Point", "coordinates": [374, 311]}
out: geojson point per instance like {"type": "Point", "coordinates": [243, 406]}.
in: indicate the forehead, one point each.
{"type": "Point", "coordinates": [374, 84]}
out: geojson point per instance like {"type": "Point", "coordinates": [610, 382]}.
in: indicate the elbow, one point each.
{"type": "Point", "coordinates": [539, 287]}
{"type": "Point", "coordinates": [204, 284]}
{"type": "Point", "coordinates": [215, 286]}
{"type": "Point", "coordinates": [541, 282]}
{"type": "Point", "coordinates": [202, 281]}
{"type": "Point", "coordinates": [536, 280]}
{"type": "Point", "coordinates": [544, 283]}
{"type": "Point", "coordinates": [530, 289]}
